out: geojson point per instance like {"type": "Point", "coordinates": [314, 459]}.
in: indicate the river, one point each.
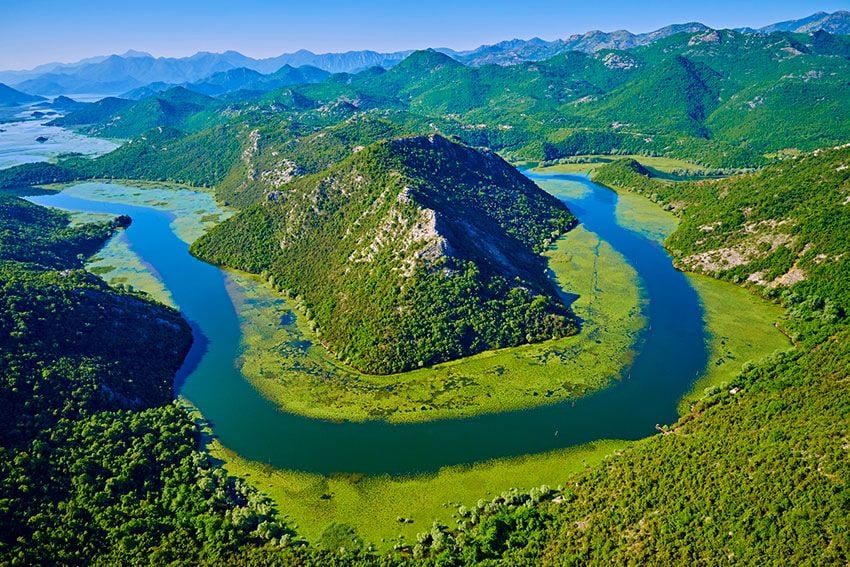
{"type": "Point", "coordinates": [672, 353]}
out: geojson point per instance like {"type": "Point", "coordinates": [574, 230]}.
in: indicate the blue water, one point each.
{"type": "Point", "coordinates": [672, 353]}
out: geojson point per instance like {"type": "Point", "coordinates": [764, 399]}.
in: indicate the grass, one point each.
{"type": "Point", "coordinates": [660, 166]}
{"type": "Point", "coordinates": [645, 217]}
{"type": "Point", "coordinates": [281, 359]}
{"type": "Point", "coordinates": [194, 211]}
{"type": "Point", "coordinates": [374, 505]}
{"type": "Point", "coordinates": [741, 328]}
{"type": "Point", "coordinates": [119, 265]}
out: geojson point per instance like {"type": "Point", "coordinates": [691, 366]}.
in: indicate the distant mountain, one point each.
{"type": "Point", "coordinates": [138, 70]}
{"type": "Point", "coordinates": [12, 97]}
{"type": "Point", "coordinates": [238, 79]}
{"type": "Point", "coordinates": [16, 77]}
{"type": "Point", "coordinates": [147, 90]}
{"type": "Point", "coordinates": [66, 104]}
{"type": "Point", "coordinates": [226, 81]}
{"type": "Point", "coordinates": [122, 74]}
{"type": "Point", "coordinates": [117, 74]}
{"type": "Point", "coordinates": [119, 118]}
{"type": "Point", "coordinates": [835, 23]}
{"type": "Point", "coordinates": [243, 78]}
{"type": "Point", "coordinates": [348, 62]}
{"type": "Point", "coordinates": [536, 49]}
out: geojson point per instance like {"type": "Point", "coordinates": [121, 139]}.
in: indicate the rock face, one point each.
{"type": "Point", "coordinates": [412, 251]}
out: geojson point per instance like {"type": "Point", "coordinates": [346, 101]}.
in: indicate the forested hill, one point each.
{"type": "Point", "coordinates": [411, 252]}
{"type": "Point", "coordinates": [758, 471]}
{"type": "Point", "coordinates": [97, 465]}
{"type": "Point", "coordinates": [722, 99]}
{"type": "Point", "coordinates": [783, 229]}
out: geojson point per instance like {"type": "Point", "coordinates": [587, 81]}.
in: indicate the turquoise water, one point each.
{"type": "Point", "coordinates": [671, 354]}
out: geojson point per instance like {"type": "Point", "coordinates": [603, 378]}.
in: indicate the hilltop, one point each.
{"type": "Point", "coordinates": [412, 251]}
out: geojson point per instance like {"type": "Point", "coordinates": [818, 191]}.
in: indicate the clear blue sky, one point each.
{"type": "Point", "coordinates": [39, 31]}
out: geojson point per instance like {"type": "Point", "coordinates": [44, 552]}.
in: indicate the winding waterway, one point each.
{"type": "Point", "coordinates": [672, 352]}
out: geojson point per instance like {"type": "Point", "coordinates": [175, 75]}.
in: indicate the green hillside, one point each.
{"type": "Point", "coordinates": [757, 472]}
{"type": "Point", "coordinates": [202, 159]}
{"type": "Point", "coordinates": [120, 118]}
{"type": "Point", "coordinates": [721, 99]}
{"type": "Point", "coordinates": [783, 229]}
{"type": "Point", "coordinates": [97, 462]}
{"type": "Point", "coordinates": [411, 252]}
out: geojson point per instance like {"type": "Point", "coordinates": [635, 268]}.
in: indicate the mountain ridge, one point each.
{"type": "Point", "coordinates": [115, 74]}
{"type": "Point", "coordinates": [396, 272]}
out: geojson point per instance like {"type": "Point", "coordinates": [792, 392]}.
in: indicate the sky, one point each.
{"type": "Point", "coordinates": [33, 32]}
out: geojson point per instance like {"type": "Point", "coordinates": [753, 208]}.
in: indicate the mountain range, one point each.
{"type": "Point", "coordinates": [116, 74]}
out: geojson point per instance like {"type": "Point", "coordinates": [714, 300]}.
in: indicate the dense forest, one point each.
{"type": "Point", "coordinates": [99, 465]}
{"type": "Point", "coordinates": [411, 252]}
{"type": "Point", "coordinates": [96, 461]}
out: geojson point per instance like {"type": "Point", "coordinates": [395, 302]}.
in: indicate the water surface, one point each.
{"type": "Point", "coordinates": [18, 143]}
{"type": "Point", "coordinates": [672, 352]}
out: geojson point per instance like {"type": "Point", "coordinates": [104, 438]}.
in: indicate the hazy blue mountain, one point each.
{"type": "Point", "coordinates": [147, 90]}
{"type": "Point", "coordinates": [12, 97]}
{"type": "Point", "coordinates": [243, 78]}
{"type": "Point", "coordinates": [835, 23]}
{"type": "Point", "coordinates": [117, 74]}
{"type": "Point", "coordinates": [226, 81]}
{"type": "Point", "coordinates": [238, 79]}
{"type": "Point", "coordinates": [135, 70]}
{"type": "Point", "coordinates": [67, 104]}
{"type": "Point", "coordinates": [536, 49]}
{"type": "Point", "coordinates": [348, 62]}
{"type": "Point", "coordinates": [15, 77]}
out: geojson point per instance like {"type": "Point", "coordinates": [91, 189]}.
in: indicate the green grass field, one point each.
{"type": "Point", "coordinates": [741, 327]}
{"type": "Point", "coordinates": [660, 166]}
{"type": "Point", "coordinates": [373, 505]}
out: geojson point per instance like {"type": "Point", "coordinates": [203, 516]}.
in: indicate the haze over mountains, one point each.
{"type": "Point", "coordinates": [117, 74]}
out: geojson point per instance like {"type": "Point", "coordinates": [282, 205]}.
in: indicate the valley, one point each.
{"type": "Point", "coordinates": [263, 350]}
{"type": "Point", "coordinates": [567, 302]}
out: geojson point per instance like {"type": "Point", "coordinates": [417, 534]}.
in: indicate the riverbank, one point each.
{"type": "Point", "coordinates": [383, 510]}
{"type": "Point", "coordinates": [282, 358]}
{"type": "Point", "coordinates": [741, 327]}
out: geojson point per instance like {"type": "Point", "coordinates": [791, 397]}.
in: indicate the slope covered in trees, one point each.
{"type": "Point", "coordinates": [784, 227]}
{"type": "Point", "coordinates": [411, 252]}
{"type": "Point", "coordinates": [757, 471]}
{"type": "Point", "coordinates": [96, 462]}
{"type": "Point", "coordinates": [722, 99]}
